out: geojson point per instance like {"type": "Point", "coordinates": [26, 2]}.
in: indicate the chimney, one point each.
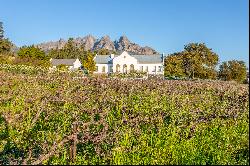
{"type": "Point", "coordinates": [163, 57]}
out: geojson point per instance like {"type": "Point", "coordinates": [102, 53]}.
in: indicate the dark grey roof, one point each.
{"type": "Point", "coordinates": [146, 59]}
{"type": "Point", "coordinates": [142, 59]}
{"type": "Point", "coordinates": [104, 59]}
{"type": "Point", "coordinates": [68, 62]}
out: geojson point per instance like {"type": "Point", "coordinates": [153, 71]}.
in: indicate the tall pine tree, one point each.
{"type": "Point", "coordinates": [5, 44]}
{"type": "Point", "coordinates": [1, 31]}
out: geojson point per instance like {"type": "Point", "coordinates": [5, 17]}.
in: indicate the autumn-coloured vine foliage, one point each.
{"type": "Point", "coordinates": [56, 118]}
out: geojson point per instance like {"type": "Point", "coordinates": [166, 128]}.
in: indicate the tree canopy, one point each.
{"type": "Point", "coordinates": [5, 44]}
{"type": "Point", "coordinates": [31, 52]}
{"type": "Point", "coordinates": [88, 61]}
{"type": "Point", "coordinates": [195, 61]}
{"type": "Point", "coordinates": [174, 65]}
{"type": "Point", "coordinates": [233, 70]}
{"type": "Point", "coordinates": [104, 52]}
{"type": "Point", "coordinates": [70, 50]}
{"type": "Point", "coordinates": [31, 55]}
{"type": "Point", "coordinates": [200, 61]}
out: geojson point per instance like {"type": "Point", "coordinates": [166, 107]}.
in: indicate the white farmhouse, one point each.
{"type": "Point", "coordinates": [124, 63]}
{"type": "Point", "coordinates": [72, 64]}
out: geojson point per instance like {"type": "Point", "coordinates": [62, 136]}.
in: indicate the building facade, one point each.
{"type": "Point", "coordinates": [124, 63]}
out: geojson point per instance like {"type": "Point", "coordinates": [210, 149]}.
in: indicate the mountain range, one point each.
{"type": "Point", "coordinates": [89, 42]}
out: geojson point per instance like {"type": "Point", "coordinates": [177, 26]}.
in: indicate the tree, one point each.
{"type": "Point", "coordinates": [233, 70]}
{"type": "Point", "coordinates": [31, 52]}
{"type": "Point", "coordinates": [1, 31]}
{"type": "Point", "coordinates": [62, 67]}
{"type": "Point", "coordinates": [104, 52]}
{"type": "Point", "coordinates": [174, 65]}
{"type": "Point", "coordinates": [54, 53]}
{"type": "Point", "coordinates": [200, 60]}
{"type": "Point", "coordinates": [196, 60]}
{"type": "Point", "coordinates": [5, 46]}
{"type": "Point", "coordinates": [31, 55]}
{"type": "Point", "coordinates": [88, 62]}
{"type": "Point", "coordinates": [70, 50]}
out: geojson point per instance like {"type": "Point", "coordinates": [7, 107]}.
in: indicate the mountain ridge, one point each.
{"type": "Point", "coordinates": [89, 42]}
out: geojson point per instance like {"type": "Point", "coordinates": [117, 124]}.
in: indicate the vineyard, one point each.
{"type": "Point", "coordinates": [53, 118]}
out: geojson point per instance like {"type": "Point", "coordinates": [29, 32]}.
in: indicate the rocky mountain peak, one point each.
{"type": "Point", "coordinates": [106, 37]}
{"type": "Point", "coordinates": [125, 45]}
{"type": "Point", "coordinates": [124, 39]}
{"type": "Point", "coordinates": [89, 36]}
{"type": "Point", "coordinates": [89, 42]}
{"type": "Point", "coordinates": [104, 43]}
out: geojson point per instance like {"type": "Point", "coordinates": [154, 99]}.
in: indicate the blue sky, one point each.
{"type": "Point", "coordinates": [165, 25]}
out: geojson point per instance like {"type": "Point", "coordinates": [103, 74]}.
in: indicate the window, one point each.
{"type": "Point", "coordinates": [117, 68]}
{"type": "Point", "coordinates": [110, 69]}
{"type": "Point", "coordinates": [96, 68]}
{"type": "Point", "coordinates": [159, 68]}
{"type": "Point", "coordinates": [103, 69]}
{"type": "Point", "coordinates": [125, 68]}
{"type": "Point", "coordinates": [154, 69]}
{"type": "Point", "coordinates": [132, 67]}
{"type": "Point", "coordinates": [141, 68]}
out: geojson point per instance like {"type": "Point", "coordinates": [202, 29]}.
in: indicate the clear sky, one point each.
{"type": "Point", "coordinates": [165, 25]}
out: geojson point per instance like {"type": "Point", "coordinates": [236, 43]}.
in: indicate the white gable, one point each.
{"type": "Point", "coordinates": [77, 63]}
{"type": "Point", "coordinates": [124, 58]}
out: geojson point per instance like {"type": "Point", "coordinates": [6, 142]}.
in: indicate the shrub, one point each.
{"type": "Point", "coordinates": [117, 121]}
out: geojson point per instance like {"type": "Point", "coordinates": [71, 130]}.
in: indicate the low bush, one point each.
{"type": "Point", "coordinates": [44, 119]}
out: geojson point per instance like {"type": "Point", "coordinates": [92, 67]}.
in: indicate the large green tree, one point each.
{"type": "Point", "coordinates": [31, 52]}
{"type": "Point", "coordinates": [195, 61]}
{"type": "Point", "coordinates": [233, 70]}
{"type": "Point", "coordinates": [70, 50]}
{"type": "Point", "coordinates": [200, 61]}
{"type": "Point", "coordinates": [174, 65]}
{"type": "Point", "coordinates": [31, 55]}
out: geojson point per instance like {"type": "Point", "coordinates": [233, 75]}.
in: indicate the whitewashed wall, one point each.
{"type": "Point", "coordinates": [124, 59]}
{"type": "Point", "coordinates": [100, 67]}
{"type": "Point", "coordinates": [151, 68]}
{"type": "Point", "coordinates": [77, 64]}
